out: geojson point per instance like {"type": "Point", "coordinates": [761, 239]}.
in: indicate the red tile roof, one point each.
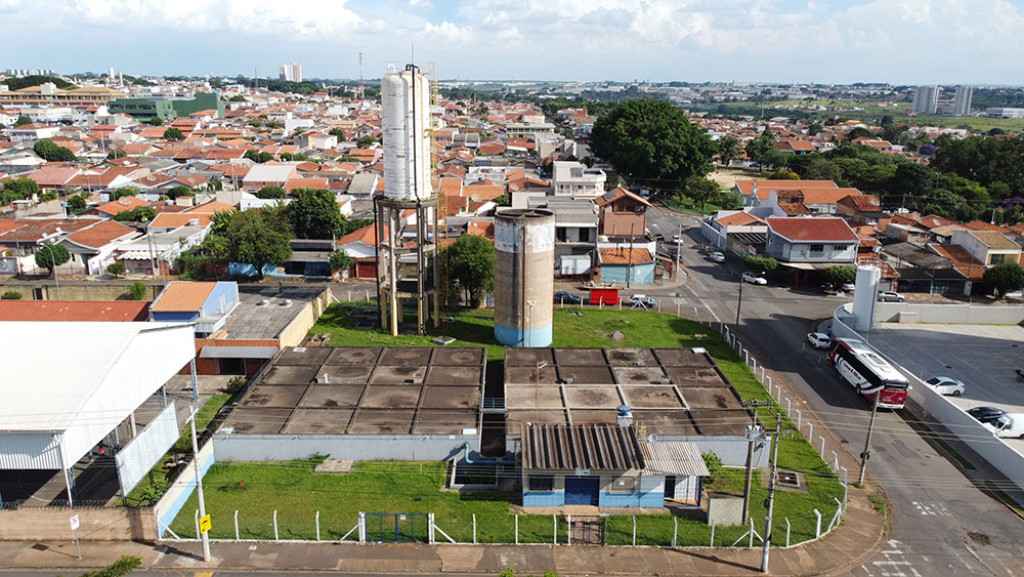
{"type": "Point", "coordinates": [101, 234]}
{"type": "Point", "coordinates": [620, 255]}
{"type": "Point", "coordinates": [812, 229]}
{"type": "Point", "coordinates": [80, 311]}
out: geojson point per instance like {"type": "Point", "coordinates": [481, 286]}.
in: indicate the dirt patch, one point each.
{"type": "Point", "coordinates": [979, 538]}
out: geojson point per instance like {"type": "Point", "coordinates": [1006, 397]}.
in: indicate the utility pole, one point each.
{"type": "Point", "coordinates": [867, 441]}
{"type": "Point", "coordinates": [753, 435]}
{"type": "Point", "coordinates": [772, 480]}
{"type": "Point", "coordinates": [199, 485]}
{"type": "Point", "coordinates": [739, 303]}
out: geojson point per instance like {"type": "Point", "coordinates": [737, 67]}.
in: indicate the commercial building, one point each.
{"type": "Point", "coordinates": [168, 109]}
{"type": "Point", "coordinates": [290, 71]}
{"type": "Point", "coordinates": [926, 99]}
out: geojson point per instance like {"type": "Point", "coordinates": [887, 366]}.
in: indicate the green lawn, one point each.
{"type": "Point", "coordinates": [256, 490]}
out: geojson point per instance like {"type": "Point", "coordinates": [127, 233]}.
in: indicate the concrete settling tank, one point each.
{"type": "Point", "coordinates": [524, 277]}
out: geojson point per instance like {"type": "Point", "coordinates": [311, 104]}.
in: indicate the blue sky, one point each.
{"type": "Point", "coordinates": [896, 41]}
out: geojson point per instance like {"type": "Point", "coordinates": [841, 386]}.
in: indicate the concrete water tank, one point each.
{"type": "Point", "coordinates": [524, 277]}
{"type": "Point", "coordinates": [865, 295]}
{"type": "Point", "coordinates": [405, 109]}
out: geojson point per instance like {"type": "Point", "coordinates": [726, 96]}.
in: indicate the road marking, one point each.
{"type": "Point", "coordinates": [203, 574]}
{"type": "Point", "coordinates": [895, 563]}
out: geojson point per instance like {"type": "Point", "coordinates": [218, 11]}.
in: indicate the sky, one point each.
{"type": "Point", "coordinates": [820, 41]}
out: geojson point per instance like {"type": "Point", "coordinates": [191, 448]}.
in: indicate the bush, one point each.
{"type": "Point", "coordinates": [760, 263]}
{"type": "Point", "coordinates": [138, 291]}
{"type": "Point", "coordinates": [117, 269]}
{"type": "Point", "coordinates": [236, 384]}
{"type": "Point", "coordinates": [11, 296]}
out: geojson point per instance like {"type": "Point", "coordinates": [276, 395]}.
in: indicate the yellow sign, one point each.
{"type": "Point", "coordinates": [204, 523]}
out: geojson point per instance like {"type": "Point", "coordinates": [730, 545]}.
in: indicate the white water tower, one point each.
{"type": "Point", "coordinates": [407, 267]}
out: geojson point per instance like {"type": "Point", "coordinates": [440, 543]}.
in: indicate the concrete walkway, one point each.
{"type": "Point", "coordinates": [860, 535]}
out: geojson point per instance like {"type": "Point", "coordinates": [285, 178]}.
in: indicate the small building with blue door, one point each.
{"type": "Point", "coordinates": [605, 465]}
{"type": "Point", "coordinates": [207, 304]}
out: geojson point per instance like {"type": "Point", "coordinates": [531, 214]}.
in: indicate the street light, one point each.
{"type": "Point", "coordinates": [53, 261]}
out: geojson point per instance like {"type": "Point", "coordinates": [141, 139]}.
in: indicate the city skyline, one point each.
{"type": "Point", "coordinates": [943, 42]}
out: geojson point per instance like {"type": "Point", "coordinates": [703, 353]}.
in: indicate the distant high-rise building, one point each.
{"type": "Point", "coordinates": [291, 71]}
{"type": "Point", "coordinates": [962, 100]}
{"type": "Point", "coordinates": [926, 99]}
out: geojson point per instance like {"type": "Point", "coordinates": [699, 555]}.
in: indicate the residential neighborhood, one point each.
{"type": "Point", "coordinates": [416, 283]}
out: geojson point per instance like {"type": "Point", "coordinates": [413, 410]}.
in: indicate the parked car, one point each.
{"type": "Point", "coordinates": [1010, 425]}
{"type": "Point", "coordinates": [753, 278]}
{"type": "Point", "coordinates": [642, 301]}
{"type": "Point", "coordinates": [890, 297]}
{"type": "Point", "coordinates": [848, 287]}
{"type": "Point", "coordinates": [566, 297]}
{"type": "Point", "coordinates": [716, 256]}
{"type": "Point", "coordinates": [946, 386]}
{"type": "Point", "coordinates": [819, 340]}
{"type": "Point", "coordinates": [986, 414]}
{"type": "Point", "coordinates": [676, 239]}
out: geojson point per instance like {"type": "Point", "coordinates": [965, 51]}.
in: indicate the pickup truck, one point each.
{"type": "Point", "coordinates": [1010, 425]}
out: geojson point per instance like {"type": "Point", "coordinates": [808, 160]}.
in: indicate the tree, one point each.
{"type": "Point", "coordinates": [315, 214]}
{"type": "Point", "coordinates": [179, 190]}
{"type": "Point", "coordinates": [117, 269]}
{"type": "Point", "coordinates": [759, 263]}
{"type": "Point", "coordinates": [173, 133]}
{"type": "Point", "coordinates": [18, 189]}
{"type": "Point", "coordinates": [728, 149]}
{"type": "Point", "coordinates": [652, 140]}
{"type": "Point", "coordinates": [337, 131]}
{"type": "Point", "coordinates": [253, 240]}
{"type": "Point", "coordinates": [701, 190]}
{"type": "Point", "coordinates": [76, 203]}
{"type": "Point", "coordinates": [156, 121]}
{"type": "Point", "coordinates": [258, 157]}
{"type": "Point", "coordinates": [365, 141]}
{"type": "Point", "coordinates": [341, 261]}
{"type": "Point", "coordinates": [116, 153]}
{"type": "Point", "coordinates": [124, 191]}
{"type": "Point", "coordinates": [50, 256]}
{"type": "Point", "coordinates": [838, 274]}
{"type": "Point", "coordinates": [50, 152]}
{"type": "Point", "coordinates": [22, 120]}
{"type": "Point", "coordinates": [471, 267]}
{"type": "Point", "coordinates": [271, 192]}
{"type": "Point", "coordinates": [1004, 278]}
{"type": "Point", "coordinates": [138, 214]}
{"type": "Point", "coordinates": [859, 132]}
{"type": "Point", "coordinates": [783, 174]}
{"type": "Point", "coordinates": [138, 291]}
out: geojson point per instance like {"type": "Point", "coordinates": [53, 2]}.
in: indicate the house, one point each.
{"type": "Point", "coordinates": [623, 214]}
{"type": "Point", "coordinates": [95, 245]}
{"type": "Point", "coordinates": [576, 224]}
{"type": "Point", "coordinates": [736, 230]}
{"type": "Point", "coordinates": [268, 175]}
{"type": "Point", "coordinates": [756, 192]}
{"type": "Point", "coordinates": [361, 245]}
{"type": "Point", "coordinates": [207, 304]}
{"type": "Point", "coordinates": [576, 180]}
{"type": "Point", "coordinates": [987, 247]}
{"type": "Point", "coordinates": [865, 209]}
{"type": "Point", "coordinates": [804, 245]}
{"type": "Point", "coordinates": [626, 266]}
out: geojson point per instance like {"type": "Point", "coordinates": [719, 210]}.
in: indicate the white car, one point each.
{"type": "Point", "coordinates": [716, 256]}
{"type": "Point", "coordinates": [753, 278]}
{"type": "Point", "coordinates": [946, 386]}
{"type": "Point", "coordinates": [819, 340]}
{"type": "Point", "coordinates": [642, 301]}
{"type": "Point", "coordinates": [676, 239]}
{"type": "Point", "coordinates": [848, 287]}
{"type": "Point", "coordinates": [890, 297]}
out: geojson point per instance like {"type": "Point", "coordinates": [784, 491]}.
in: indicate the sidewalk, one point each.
{"type": "Point", "coordinates": [860, 535]}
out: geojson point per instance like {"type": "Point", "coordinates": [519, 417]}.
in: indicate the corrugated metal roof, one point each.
{"type": "Point", "coordinates": [673, 458]}
{"type": "Point", "coordinates": [598, 447]}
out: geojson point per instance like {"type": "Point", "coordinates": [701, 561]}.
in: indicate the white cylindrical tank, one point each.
{"type": "Point", "coordinates": [405, 100]}
{"type": "Point", "coordinates": [865, 295]}
{"type": "Point", "coordinates": [524, 277]}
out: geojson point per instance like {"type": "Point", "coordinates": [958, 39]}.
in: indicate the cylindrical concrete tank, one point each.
{"type": "Point", "coordinates": [865, 295]}
{"type": "Point", "coordinates": [524, 277]}
{"type": "Point", "coordinates": [405, 108]}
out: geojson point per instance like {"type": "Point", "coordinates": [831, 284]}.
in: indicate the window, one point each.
{"type": "Point", "coordinates": [996, 259]}
{"type": "Point", "coordinates": [625, 485]}
{"type": "Point", "coordinates": [838, 247]}
{"type": "Point", "coordinates": [817, 247]}
{"type": "Point", "coordinates": [542, 483]}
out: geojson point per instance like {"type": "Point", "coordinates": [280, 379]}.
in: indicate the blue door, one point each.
{"type": "Point", "coordinates": [582, 490]}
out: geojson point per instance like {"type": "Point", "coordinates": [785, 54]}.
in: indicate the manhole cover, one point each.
{"type": "Point", "coordinates": [789, 479]}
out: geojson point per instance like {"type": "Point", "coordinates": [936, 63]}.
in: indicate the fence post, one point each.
{"type": "Point", "coordinates": [789, 406]}
{"type": "Point", "coordinates": [430, 528]}
{"type": "Point", "coordinates": [634, 530]}
{"type": "Point", "coordinates": [675, 529]}
{"type": "Point", "coordinates": [474, 528]}
{"type": "Point", "coordinates": [845, 490]}
{"type": "Point", "coordinates": [712, 535]}
{"type": "Point", "coordinates": [554, 523]}
{"type": "Point", "coordinates": [822, 439]}
{"type": "Point", "coordinates": [746, 357]}
{"type": "Point", "coordinates": [236, 525]}
{"type": "Point", "coordinates": [810, 431]}
{"type": "Point", "coordinates": [517, 529]}
{"type": "Point", "coordinates": [762, 373]}
{"type": "Point", "coordinates": [751, 532]}
{"type": "Point", "coordinates": [568, 536]}
{"type": "Point", "coordinates": [835, 461]}
{"type": "Point", "coordinates": [198, 535]}
{"type": "Point", "coordinates": [799, 419]}
{"type": "Point", "coordinates": [362, 527]}
{"type": "Point", "coordinates": [817, 529]}
{"type": "Point", "coordinates": [275, 525]}
{"type": "Point", "coordinates": [787, 532]}
{"type": "Point", "coordinates": [367, 295]}
{"type": "Point", "coordinates": [349, 295]}
{"type": "Point", "coordinates": [318, 525]}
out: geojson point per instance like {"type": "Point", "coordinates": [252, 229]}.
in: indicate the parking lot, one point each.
{"type": "Point", "coordinates": [983, 357]}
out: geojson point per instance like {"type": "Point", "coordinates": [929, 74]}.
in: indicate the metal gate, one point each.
{"type": "Point", "coordinates": [397, 527]}
{"type": "Point", "coordinates": [588, 530]}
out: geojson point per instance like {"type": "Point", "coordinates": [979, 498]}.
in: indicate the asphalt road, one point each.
{"type": "Point", "coordinates": [941, 524]}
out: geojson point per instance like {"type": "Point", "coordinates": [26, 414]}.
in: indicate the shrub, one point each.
{"type": "Point", "coordinates": [138, 291]}
{"type": "Point", "coordinates": [11, 296]}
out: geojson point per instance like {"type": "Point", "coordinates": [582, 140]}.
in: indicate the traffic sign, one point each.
{"type": "Point", "coordinates": [74, 522]}
{"type": "Point", "coordinates": [204, 523]}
